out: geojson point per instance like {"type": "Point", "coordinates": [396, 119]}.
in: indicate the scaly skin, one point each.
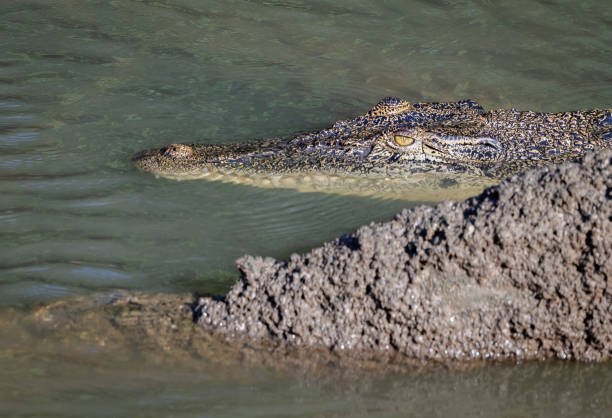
{"type": "Point", "coordinates": [396, 141]}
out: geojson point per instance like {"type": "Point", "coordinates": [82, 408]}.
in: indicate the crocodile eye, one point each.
{"type": "Point", "coordinates": [403, 141]}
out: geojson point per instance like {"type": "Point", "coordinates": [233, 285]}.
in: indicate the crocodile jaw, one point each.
{"type": "Point", "coordinates": [417, 186]}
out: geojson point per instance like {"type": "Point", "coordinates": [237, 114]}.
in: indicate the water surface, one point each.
{"type": "Point", "coordinates": [86, 85]}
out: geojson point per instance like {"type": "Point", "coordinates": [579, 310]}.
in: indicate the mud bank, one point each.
{"type": "Point", "coordinates": [522, 271]}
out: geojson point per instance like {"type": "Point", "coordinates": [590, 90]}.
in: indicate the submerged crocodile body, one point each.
{"type": "Point", "coordinates": [396, 141]}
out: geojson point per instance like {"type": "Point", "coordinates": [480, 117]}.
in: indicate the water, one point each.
{"type": "Point", "coordinates": [84, 86]}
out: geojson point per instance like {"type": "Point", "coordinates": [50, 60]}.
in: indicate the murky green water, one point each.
{"type": "Point", "coordinates": [84, 85]}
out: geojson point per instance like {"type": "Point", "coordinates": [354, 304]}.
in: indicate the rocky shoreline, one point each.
{"type": "Point", "coordinates": [522, 271]}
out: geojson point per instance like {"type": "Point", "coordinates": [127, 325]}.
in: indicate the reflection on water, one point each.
{"type": "Point", "coordinates": [69, 366]}
{"type": "Point", "coordinates": [84, 87]}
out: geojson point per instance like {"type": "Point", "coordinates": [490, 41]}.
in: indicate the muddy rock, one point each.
{"type": "Point", "coordinates": [522, 271]}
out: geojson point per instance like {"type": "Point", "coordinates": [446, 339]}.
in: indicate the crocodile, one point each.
{"type": "Point", "coordinates": [396, 146]}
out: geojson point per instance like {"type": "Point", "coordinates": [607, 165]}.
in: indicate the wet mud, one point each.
{"type": "Point", "coordinates": [521, 271]}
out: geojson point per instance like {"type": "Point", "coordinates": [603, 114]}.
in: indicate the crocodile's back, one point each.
{"type": "Point", "coordinates": [531, 135]}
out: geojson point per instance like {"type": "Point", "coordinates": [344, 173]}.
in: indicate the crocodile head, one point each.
{"type": "Point", "coordinates": [396, 141]}
{"type": "Point", "coordinates": [390, 140]}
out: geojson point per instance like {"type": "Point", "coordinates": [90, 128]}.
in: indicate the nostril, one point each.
{"type": "Point", "coordinates": [178, 151]}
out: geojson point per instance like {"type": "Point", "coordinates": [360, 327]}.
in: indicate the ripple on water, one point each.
{"type": "Point", "coordinates": [85, 250]}
{"type": "Point", "coordinates": [18, 138]}
{"type": "Point", "coordinates": [69, 275]}
{"type": "Point", "coordinates": [9, 105]}
{"type": "Point", "coordinates": [32, 291]}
